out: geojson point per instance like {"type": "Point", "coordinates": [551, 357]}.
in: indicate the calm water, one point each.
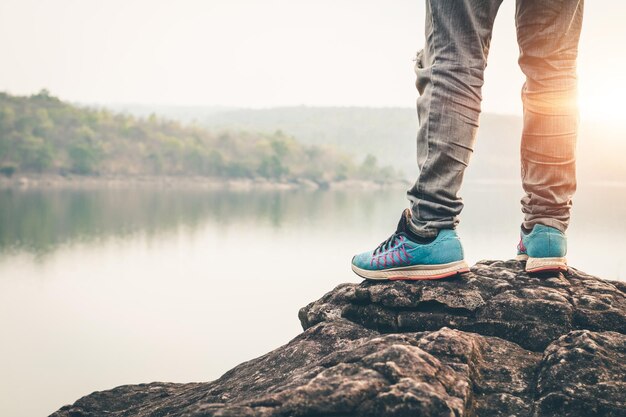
{"type": "Point", "coordinates": [104, 288]}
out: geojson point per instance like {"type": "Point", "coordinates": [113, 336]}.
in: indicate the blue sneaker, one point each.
{"type": "Point", "coordinates": [543, 249]}
{"type": "Point", "coordinates": [400, 258]}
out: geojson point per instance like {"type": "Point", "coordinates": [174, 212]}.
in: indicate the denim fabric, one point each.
{"type": "Point", "coordinates": [450, 72]}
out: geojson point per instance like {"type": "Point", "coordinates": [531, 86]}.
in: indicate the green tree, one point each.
{"type": "Point", "coordinates": [84, 158]}
{"type": "Point", "coordinates": [35, 153]}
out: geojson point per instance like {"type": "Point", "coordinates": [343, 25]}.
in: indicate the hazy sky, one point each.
{"type": "Point", "coordinates": [267, 53]}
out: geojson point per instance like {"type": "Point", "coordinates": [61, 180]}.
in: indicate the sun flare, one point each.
{"type": "Point", "coordinates": [602, 100]}
{"type": "Point", "coordinates": [604, 107]}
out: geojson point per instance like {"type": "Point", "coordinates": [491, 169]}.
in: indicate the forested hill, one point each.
{"type": "Point", "coordinates": [389, 133]}
{"type": "Point", "coordinates": [42, 134]}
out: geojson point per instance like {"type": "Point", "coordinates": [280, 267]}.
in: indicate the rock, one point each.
{"type": "Point", "coordinates": [583, 373]}
{"type": "Point", "coordinates": [496, 299]}
{"type": "Point", "coordinates": [494, 342]}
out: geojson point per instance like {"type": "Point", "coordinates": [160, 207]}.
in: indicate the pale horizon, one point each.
{"type": "Point", "coordinates": [278, 53]}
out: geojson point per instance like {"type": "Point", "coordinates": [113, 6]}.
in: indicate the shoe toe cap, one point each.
{"type": "Point", "coordinates": [363, 260]}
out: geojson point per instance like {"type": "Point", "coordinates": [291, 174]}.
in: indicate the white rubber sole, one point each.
{"type": "Point", "coordinates": [414, 272]}
{"type": "Point", "coordinates": [543, 264]}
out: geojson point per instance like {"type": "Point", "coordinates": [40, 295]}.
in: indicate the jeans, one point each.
{"type": "Point", "coordinates": [449, 79]}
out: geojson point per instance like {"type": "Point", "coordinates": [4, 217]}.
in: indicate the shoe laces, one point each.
{"type": "Point", "coordinates": [385, 245]}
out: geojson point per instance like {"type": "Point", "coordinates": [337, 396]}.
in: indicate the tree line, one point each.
{"type": "Point", "coordinates": [42, 134]}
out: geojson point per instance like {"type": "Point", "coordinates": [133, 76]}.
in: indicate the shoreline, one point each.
{"type": "Point", "coordinates": [117, 182]}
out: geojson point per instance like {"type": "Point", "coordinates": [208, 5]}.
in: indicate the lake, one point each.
{"type": "Point", "coordinates": [100, 288]}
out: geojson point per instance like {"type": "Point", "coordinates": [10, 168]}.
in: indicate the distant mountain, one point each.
{"type": "Point", "coordinates": [184, 114]}
{"type": "Point", "coordinates": [389, 134]}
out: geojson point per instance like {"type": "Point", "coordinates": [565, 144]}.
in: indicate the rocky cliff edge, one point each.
{"type": "Point", "coordinates": [493, 342]}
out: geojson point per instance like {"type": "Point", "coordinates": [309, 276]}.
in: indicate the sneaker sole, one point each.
{"type": "Point", "coordinates": [414, 272]}
{"type": "Point", "coordinates": [546, 264]}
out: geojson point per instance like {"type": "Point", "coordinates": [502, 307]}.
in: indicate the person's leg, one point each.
{"type": "Point", "coordinates": [449, 78]}
{"type": "Point", "coordinates": [548, 33]}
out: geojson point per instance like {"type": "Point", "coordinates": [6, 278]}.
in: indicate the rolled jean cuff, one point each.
{"type": "Point", "coordinates": [423, 229]}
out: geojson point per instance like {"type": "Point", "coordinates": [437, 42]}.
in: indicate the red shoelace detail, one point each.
{"type": "Point", "coordinates": [392, 253]}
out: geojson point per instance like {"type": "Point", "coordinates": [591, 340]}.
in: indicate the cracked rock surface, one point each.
{"type": "Point", "coordinates": [494, 342]}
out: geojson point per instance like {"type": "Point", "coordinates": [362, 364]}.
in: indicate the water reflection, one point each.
{"type": "Point", "coordinates": [40, 221]}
